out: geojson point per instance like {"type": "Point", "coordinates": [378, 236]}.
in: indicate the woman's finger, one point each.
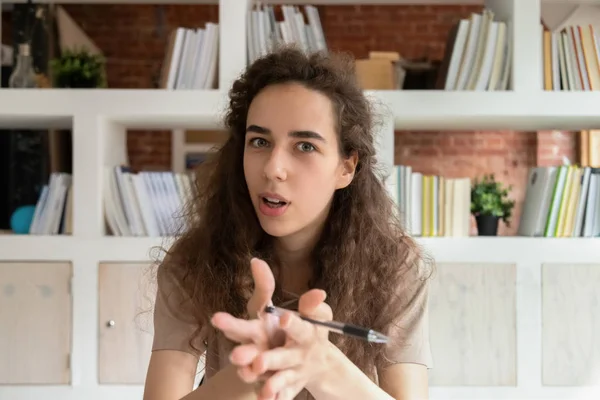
{"type": "Point", "coordinates": [264, 286]}
{"type": "Point", "coordinates": [312, 304]}
{"type": "Point", "coordinates": [298, 330]}
{"type": "Point", "coordinates": [277, 359]}
{"type": "Point", "coordinates": [311, 300]}
{"type": "Point", "coordinates": [289, 392]}
{"type": "Point", "coordinates": [247, 375]}
{"type": "Point", "coordinates": [244, 354]}
{"type": "Point", "coordinates": [322, 312]}
{"type": "Point", "coordinates": [280, 381]}
{"type": "Point", "coordinates": [240, 330]}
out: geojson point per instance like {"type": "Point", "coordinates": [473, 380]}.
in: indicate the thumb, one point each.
{"type": "Point", "coordinates": [312, 304]}
{"type": "Point", "coordinates": [264, 286]}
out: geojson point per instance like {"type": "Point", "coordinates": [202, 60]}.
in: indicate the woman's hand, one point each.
{"type": "Point", "coordinates": [297, 364]}
{"type": "Point", "coordinates": [261, 332]}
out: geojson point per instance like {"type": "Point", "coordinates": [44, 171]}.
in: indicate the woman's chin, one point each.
{"type": "Point", "coordinates": [275, 228]}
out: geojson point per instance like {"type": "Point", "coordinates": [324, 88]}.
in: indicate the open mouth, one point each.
{"type": "Point", "coordinates": [273, 203]}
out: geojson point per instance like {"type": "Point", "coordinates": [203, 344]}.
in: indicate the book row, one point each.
{"type": "Point", "coordinates": [562, 201]}
{"type": "Point", "coordinates": [571, 58]}
{"type": "Point", "coordinates": [431, 205]}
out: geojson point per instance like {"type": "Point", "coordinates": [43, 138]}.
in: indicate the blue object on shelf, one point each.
{"type": "Point", "coordinates": [21, 219]}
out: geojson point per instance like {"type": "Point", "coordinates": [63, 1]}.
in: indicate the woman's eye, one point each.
{"type": "Point", "coordinates": [306, 147]}
{"type": "Point", "coordinates": [258, 142]}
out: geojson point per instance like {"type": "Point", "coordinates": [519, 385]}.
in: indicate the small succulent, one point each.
{"type": "Point", "coordinates": [78, 69]}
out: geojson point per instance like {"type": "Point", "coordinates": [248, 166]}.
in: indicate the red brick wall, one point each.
{"type": "Point", "coordinates": [133, 37]}
{"type": "Point", "coordinates": [507, 154]}
{"type": "Point", "coordinates": [554, 145]}
{"type": "Point", "coordinates": [412, 30]}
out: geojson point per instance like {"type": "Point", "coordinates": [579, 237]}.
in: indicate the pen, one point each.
{"type": "Point", "coordinates": [338, 327]}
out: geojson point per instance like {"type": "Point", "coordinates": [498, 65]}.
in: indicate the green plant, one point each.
{"type": "Point", "coordinates": [78, 69]}
{"type": "Point", "coordinates": [489, 197]}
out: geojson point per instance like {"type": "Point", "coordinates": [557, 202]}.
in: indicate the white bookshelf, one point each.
{"type": "Point", "coordinates": [99, 120]}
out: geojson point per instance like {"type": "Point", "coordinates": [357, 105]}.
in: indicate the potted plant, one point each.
{"type": "Point", "coordinates": [78, 69]}
{"type": "Point", "coordinates": [489, 204]}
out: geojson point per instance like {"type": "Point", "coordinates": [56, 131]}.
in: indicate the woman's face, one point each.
{"type": "Point", "coordinates": [292, 162]}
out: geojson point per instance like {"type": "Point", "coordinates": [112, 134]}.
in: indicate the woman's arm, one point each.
{"type": "Point", "coordinates": [405, 381]}
{"type": "Point", "coordinates": [310, 360]}
{"type": "Point", "coordinates": [343, 380]}
{"type": "Point", "coordinates": [171, 376]}
{"type": "Point", "coordinates": [225, 384]}
{"type": "Point", "coordinates": [173, 362]}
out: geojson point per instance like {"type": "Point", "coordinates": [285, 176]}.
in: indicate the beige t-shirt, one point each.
{"type": "Point", "coordinates": [409, 340]}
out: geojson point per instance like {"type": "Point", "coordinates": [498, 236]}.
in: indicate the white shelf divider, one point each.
{"type": "Point", "coordinates": [233, 45]}
{"type": "Point", "coordinates": [88, 151]}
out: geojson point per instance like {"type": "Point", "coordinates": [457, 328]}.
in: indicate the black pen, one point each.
{"type": "Point", "coordinates": [338, 327]}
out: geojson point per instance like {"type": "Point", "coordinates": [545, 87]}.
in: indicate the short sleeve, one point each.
{"type": "Point", "coordinates": [173, 326]}
{"type": "Point", "coordinates": [409, 336]}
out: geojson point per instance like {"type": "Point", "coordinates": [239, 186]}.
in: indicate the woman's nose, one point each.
{"type": "Point", "coordinates": [275, 168]}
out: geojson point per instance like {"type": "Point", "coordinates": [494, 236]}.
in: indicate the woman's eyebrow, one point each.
{"type": "Point", "coordinates": [297, 134]}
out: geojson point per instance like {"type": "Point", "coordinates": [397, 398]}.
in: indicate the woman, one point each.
{"type": "Point", "coordinates": [290, 211]}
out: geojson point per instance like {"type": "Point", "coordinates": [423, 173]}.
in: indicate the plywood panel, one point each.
{"type": "Point", "coordinates": [571, 324]}
{"type": "Point", "coordinates": [126, 298]}
{"type": "Point", "coordinates": [35, 323]}
{"type": "Point", "coordinates": [473, 325]}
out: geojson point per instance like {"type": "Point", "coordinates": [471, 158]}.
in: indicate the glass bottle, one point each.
{"type": "Point", "coordinates": [23, 75]}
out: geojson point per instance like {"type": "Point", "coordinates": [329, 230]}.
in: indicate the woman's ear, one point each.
{"type": "Point", "coordinates": [347, 170]}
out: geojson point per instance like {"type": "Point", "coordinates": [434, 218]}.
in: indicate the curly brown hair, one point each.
{"type": "Point", "coordinates": [363, 252]}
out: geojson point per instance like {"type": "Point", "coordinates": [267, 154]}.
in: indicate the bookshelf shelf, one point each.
{"type": "Point", "coordinates": [449, 249]}
{"type": "Point", "coordinates": [512, 249]}
{"type": "Point", "coordinates": [534, 110]}
{"type": "Point", "coordinates": [100, 118]}
{"type": "Point", "coordinates": [18, 248]}
{"type": "Point", "coordinates": [47, 248]}
{"type": "Point", "coordinates": [419, 109]}
{"type": "Point", "coordinates": [135, 108]}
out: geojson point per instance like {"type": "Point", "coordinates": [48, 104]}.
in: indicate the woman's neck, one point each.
{"type": "Point", "coordinates": [296, 262]}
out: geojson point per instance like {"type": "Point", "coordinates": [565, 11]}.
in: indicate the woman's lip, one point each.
{"type": "Point", "coordinates": [273, 196]}
{"type": "Point", "coordinates": [272, 211]}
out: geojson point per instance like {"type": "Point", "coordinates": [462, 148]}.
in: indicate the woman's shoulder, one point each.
{"type": "Point", "coordinates": [175, 324]}
{"type": "Point", "coordinates": [409, 308]}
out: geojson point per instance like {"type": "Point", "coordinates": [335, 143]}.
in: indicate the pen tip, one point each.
{"type": "Point", "coordinates": [269, 309]}
{"type": "Point", "coordinates": [377, 337]}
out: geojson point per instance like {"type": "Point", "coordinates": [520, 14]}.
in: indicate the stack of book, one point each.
{"type": "Point", "coordinates": [265, 32]}
{"type": "Point", "coordinates": [562, 201]}
{"type": "Point", "coordinates": [146, 203]}
{"type": "Point", "coordinates": [432, 205]}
